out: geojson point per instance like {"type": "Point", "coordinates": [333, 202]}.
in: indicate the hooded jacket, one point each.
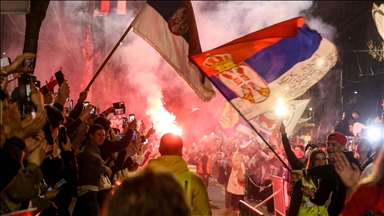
{"type": "Point", "coordinates": [198, 195]}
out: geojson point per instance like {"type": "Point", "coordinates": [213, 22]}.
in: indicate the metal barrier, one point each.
{"type": "Point", "coordinates": [247, 210]}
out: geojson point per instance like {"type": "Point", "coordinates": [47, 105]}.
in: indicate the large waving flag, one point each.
{"type": "Point", "coordinates": [170, 27]}
{"type": "Point", "coordinates": [378, 17]}
{"type": "Point", "coordinates": [281, 61]}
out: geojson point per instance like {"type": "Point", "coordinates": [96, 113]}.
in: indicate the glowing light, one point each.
{"type": "Point", "coordinates": [310, 108]}
{"type": "Point", "coordinates": [205, 136]}
{"type": "Point", "coordinates": [355, 92]}
{"type": "Point", "coordinates": [163, 121]}
{"type": "Point", "coordinates": [280, 108]}
{"type": "Point", "coordinates": [212, 133]}
{"type": "Point", "coordinates": [121, 43]}
{"type": "Point", "coordinates": [3, 53]}
{"type": "Point", "coordinates": [118, 182]}
{"type": "Point", "coordinates": [374, 134]}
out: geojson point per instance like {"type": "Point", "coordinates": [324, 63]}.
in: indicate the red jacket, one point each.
{"type": "Point", "coordinates": [366, 200]}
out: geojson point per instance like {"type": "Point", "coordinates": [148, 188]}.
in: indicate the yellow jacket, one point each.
{"type": "Point", "coordinates": [198, 195]}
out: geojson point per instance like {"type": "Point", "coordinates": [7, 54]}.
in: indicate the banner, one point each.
{"type": "Point", "coordinates": [281, 61]}
{"type": "Point", "coordinates": [267, 122]}
{"type": "Point", "coordinates": [378, 17]}
{"type": "Point", "coordinates": [170, 27]}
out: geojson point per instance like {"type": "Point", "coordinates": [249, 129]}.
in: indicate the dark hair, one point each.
{"type": "Point", "coordinates": [312, 157]}
{"type": "Point", "coordinates": [143, 195]}
{"type": "Point", "coordinates": [55, 117]}
{"type": "Point", "coordinates": [171, 144]}
{"type": "Point", "coordinates": [93, 128]}
{"type": "Point", "coordinates": [356, 112]}
{"type": "Point", "coordinates": [307, 146]}
{"type": "Point", "coordinates": [103, 122]}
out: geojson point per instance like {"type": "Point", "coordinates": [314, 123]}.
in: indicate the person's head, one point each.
{"type": "Point", "coordinates": [316, 158]}
{"type": "Point", "coordinates": [299, 151]}
{"type": "Point", "coordinates": [143, 195]}
{"type": "Point", "coordinates": [103, 122]}
{"type": "Point", "coordinates": [56, 118]}
{"type": "Point", "coordinates": [96, 133]}
{"type": "Point", "coordinates": [308, 147]}
{"type": "Point", "coordinates": [364, 146]}
{"type": "Point", "coordinates": [355, 114]}
{"type": "Point", "coordinates": [336, 142]}
{"type": "Point", "coordinates": [171, 144]}
{"type": "Point", "coordinates": [378, 173]}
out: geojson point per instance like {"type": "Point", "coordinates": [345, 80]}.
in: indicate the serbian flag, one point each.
{"type": "Point", "coordinates": [378, 17]}
{"type": "Point", "coordinates": [281, 61]}
{"type": "Point", "coordinates": [104, 7]}
{"type": "Point", "coordinates": [170, 27]}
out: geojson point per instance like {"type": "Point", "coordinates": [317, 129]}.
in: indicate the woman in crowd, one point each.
{"type": "Point", "coordinates": [310, 184]}
{"type": "Point", "coordinates": [300, 203]}
{"type": "Point", "coordinates": [143, 195]}
{"type": "Point", "coordinates": [91, 167]}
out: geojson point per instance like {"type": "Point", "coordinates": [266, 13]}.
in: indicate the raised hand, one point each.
{"type": "Point", "coordinates": [29, 126]}
{"type": "Point", "coordinates": [31, 143]}
{"type": "Point", "coordinates": [38, 155]}
{"type": "Point", "coordinates": [84, 116]}
{"type": "Point", "coordinates": [48, 98]}
{"type": "Point", "coordinates": [349, 173]}
{"type": "Point", "coordinates": [83, 96]}
{"type": "Point", "coordinates": [17, 64]}
{"type": "Point", "coordinates": [63, 92]}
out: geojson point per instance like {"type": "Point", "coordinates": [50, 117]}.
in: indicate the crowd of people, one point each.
{"type": "Point", "coordinates": [60, 161]}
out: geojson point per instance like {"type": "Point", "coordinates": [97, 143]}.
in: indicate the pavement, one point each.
{"type": "Point", "coordinates": [216, 193]}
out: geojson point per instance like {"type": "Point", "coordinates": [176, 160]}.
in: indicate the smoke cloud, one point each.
{"type": "Point", "coordinates": [72, 37]}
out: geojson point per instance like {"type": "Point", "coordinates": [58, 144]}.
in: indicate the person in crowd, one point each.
{"type": "Point", "coordinates": [236, 181]}
{"type": "Point", "coordinates": [300, 205]}
{"type": "Point", "coordinates": [345, 126]}
{"type": "Point", "coordinates": [91, 167]}
{"type": "Point", "coordinates": [143, 195]}
{"type": "Point", "coordinates": [368, 197]}
{"type": "Point", "coordinates": [310, 184]}
{"type": "Point", "coordinates": [204, 165]}
{"type": "Point", "coordinates": [336, 143]}
{"type": "Point", "coordinates": [170, 148]}
{"type": "Point", "coordinates": [364, 149]}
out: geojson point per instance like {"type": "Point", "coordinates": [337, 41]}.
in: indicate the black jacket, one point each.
{"type": "Point", "coordinates": [296, 164]}
{"type": "Point", "coordinates": [334, 185]}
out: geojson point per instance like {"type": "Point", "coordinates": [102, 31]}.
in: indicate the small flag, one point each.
{"type": "Point", "coordinates": [51, 84]}
{"type": "Point", "coordinates": [281, 61]}
{"type": "Point", "coordinates": [170, 27]}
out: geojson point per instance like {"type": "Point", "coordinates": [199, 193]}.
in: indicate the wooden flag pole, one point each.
{"type": "Point", "coordinates": [108, 57]}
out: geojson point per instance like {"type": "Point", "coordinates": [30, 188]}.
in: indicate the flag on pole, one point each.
{"type": "Point", "coordinates": [281, 61]}
{"type": "Point", "coordinates": [378, 17]}
{"type": "Point", "coordinates": [268, 122]}
{"type": "Point", "coordinates": [170, 27]}
{"type": "Point", "coordinates": [52, 83]}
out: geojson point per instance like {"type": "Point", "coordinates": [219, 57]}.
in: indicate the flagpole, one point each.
{"type": "Point", "coordinates": [254, 129]}
{"type": "Point", "coordinates": [278, 157]}
{"type": "Point", "coordinates": [108, 57]}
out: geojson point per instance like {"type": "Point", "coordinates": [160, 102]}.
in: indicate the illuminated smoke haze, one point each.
{"type": "Point", "coordinates": [136, 74]}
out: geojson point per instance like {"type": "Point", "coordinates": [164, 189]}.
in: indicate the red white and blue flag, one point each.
{"type": "Point", "coordinates": [170, 27]}
{"type": "Point", "coordinates": [105, 7]}
{"type": "Point", "coordinates": [281, 61]}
